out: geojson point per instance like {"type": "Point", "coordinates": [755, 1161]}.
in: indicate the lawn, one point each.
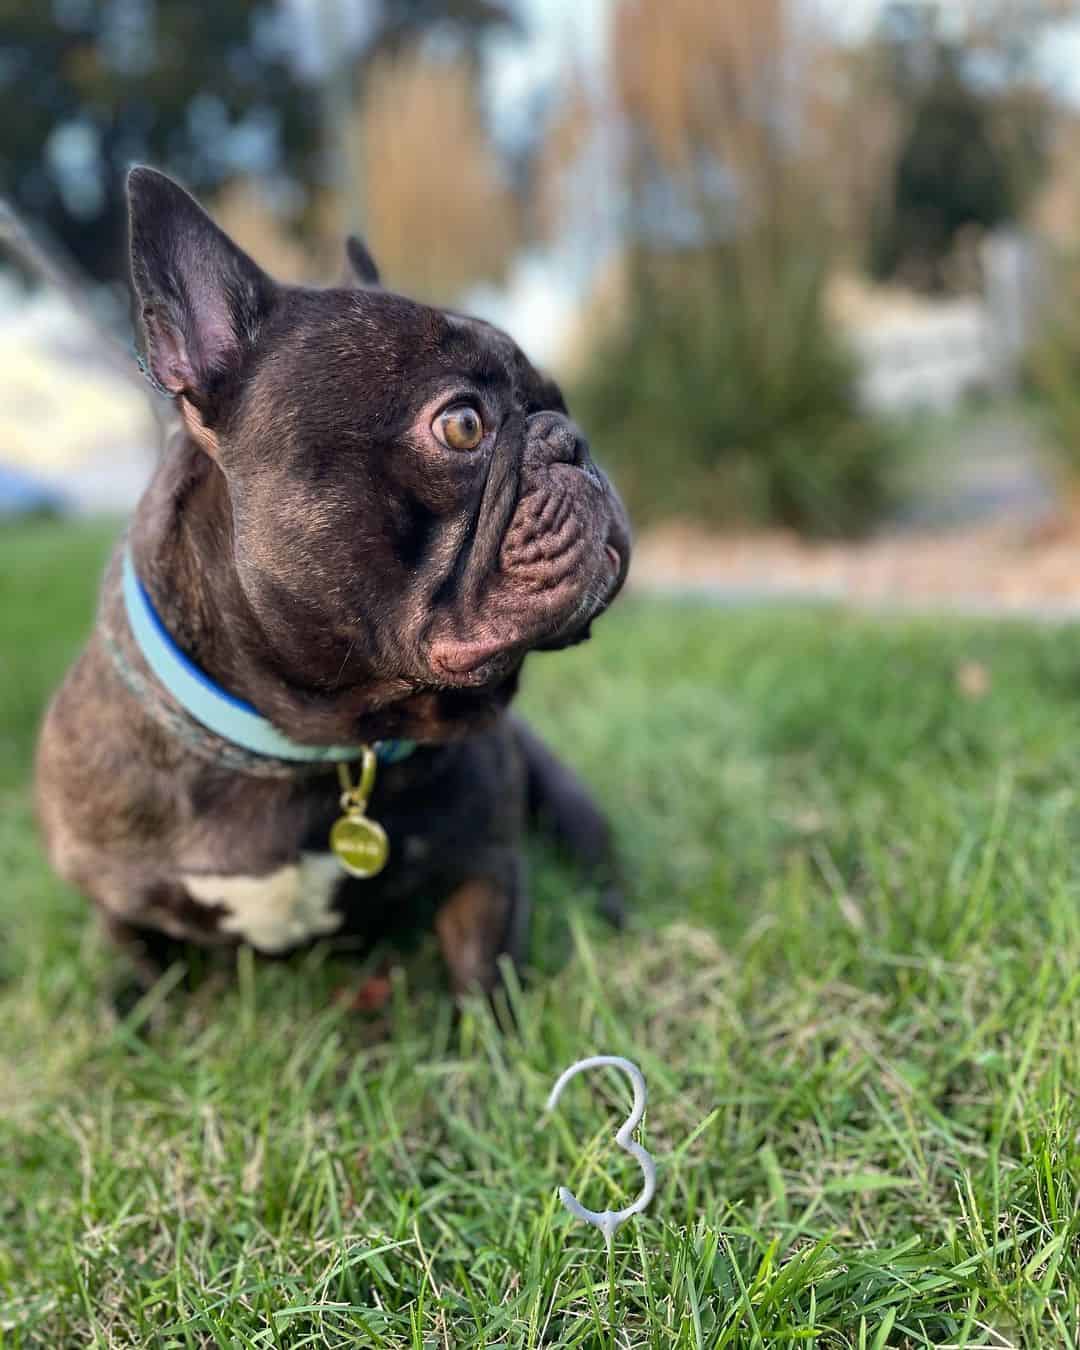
{"type": "Point", "coordinates": [851, 980]}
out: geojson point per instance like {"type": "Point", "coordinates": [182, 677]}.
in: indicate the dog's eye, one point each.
{"type": "Point", "coordinates": [459, 428]}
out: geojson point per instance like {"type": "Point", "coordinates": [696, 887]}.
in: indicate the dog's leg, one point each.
{"type": "Point", "coordinates": [151, 950]}
{"type": "Point", "coordinates": [147, 953]}
{"type": "Point", "coordinates": [560, 804]}
{"type": "Point", "coordinates": [481, 920]}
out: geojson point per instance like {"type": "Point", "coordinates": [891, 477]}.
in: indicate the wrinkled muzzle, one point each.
{"type": "Point", "coordinates": [563, 558]}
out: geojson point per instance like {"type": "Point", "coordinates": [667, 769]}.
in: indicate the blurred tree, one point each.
{"type": "Point", "coordinates": [854, 126]}
{"type": "Point", "coordinates": [206, 91]}
{"type": "Point", "coordinates": [950, 175]}
{"type": "Point", "coordinates": [969, 91]}
{"type": "Point", "coordinates": [440, 215]}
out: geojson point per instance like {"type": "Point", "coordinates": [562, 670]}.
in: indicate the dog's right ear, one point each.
{"type": "Point", "coordinates": [199, 299]}
{"type": "Point", "coordinates": [360, 269]}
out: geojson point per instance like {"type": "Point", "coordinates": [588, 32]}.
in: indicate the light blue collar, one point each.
{"type": "Point", "coordinates": [220, 712]}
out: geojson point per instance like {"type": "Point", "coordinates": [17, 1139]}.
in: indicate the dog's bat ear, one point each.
{"type": "Point", "coordinates": [199, 300]}
{"type": "Point", "coordinates": [360, 269]}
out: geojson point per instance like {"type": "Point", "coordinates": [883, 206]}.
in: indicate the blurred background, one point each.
{"type": "Point", "coordinates": [808, 270]}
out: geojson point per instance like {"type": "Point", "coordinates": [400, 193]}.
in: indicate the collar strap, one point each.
{"type": "Point", "coordinates": [219, 711]}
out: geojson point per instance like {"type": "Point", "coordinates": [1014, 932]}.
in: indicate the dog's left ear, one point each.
{"type": "Point", "coordinates": [360, 269]}
{"type": "Point", "coordinates": [199, 300]}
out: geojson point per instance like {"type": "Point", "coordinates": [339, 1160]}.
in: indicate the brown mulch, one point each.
{"type": "Point", "coordinates": [999, 567]}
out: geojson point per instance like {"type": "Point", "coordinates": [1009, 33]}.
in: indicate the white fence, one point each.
{"type": "Point", "coordinates": [933, 354]}
{"type": "Point", "coordinates": [927, 360]}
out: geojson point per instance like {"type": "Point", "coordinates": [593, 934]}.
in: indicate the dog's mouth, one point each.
{"type": "Point", "coordinates": [595, 599]}
{"type": "Point", "coordinates": [561, 565]}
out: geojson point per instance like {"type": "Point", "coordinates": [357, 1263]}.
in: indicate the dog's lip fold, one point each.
{"type": "Point", "coordinates": [474, 661]}
{"type": "Point", "coordinates": [462, 654]}
{"type": "Point", "coordinates": [462, 659]}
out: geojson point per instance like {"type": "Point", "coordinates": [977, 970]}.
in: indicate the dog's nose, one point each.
{"type": "Point", "coordinates": [552, 438]}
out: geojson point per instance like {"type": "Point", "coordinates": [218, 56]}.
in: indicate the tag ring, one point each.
{"type": "Point", "coordinates": [354, 796]}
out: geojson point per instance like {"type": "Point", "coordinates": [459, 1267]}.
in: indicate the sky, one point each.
{"type": "Point", "coordinates": [563, 30]}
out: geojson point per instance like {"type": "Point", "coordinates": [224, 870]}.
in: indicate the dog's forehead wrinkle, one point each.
{"type": "Point", "coordinates": [487, 333]}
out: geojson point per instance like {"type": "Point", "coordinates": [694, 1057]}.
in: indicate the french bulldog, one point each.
{"type": "Point", "coordinates": [370, 512]}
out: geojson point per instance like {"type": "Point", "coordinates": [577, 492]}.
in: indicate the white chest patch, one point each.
{"type": "Point", "coordinates": [279, 910]}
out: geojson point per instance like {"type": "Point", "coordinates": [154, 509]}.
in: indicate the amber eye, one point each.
{"type": "Point", "coordinates": [460, 427]}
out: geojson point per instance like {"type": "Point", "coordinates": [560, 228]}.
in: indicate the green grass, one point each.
{"type": "Point", "coordinates": [852, 982]}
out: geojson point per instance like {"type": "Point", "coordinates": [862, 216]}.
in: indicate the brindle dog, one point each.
{"type": "Point", "coordinates": [371, 511]}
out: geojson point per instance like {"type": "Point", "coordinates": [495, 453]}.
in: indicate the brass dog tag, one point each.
{"type": "Point", "coordinates": [359, 844]}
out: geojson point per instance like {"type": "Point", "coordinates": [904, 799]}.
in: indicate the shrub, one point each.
{"type": "Point", "coordinates": [1054, 360]}
{"type": "Point", "coordinates": [723, 394]}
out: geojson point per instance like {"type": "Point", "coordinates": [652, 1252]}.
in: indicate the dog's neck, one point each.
{"type": "Point", "coordinates": [181, 542]}
{"type": "Point", "coordinates": [182, 545]}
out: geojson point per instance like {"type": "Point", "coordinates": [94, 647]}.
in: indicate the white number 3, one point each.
{"type": "Point", "coordinates": [608, 1220]}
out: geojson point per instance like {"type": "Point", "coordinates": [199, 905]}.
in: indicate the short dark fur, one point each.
{"type": "Point", "coordinates": [316, 549]}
